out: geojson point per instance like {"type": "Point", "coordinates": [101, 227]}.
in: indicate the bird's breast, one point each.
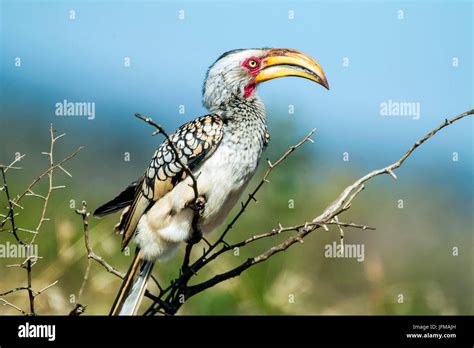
{"type": "Point", "coordinates": [223, 177]}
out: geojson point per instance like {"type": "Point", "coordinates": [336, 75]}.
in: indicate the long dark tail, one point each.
{"type": "Point", "coordinates": [133, 287]}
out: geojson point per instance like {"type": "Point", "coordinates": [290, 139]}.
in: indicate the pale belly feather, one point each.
{"type": "Point", "coordinates": [221, 180]}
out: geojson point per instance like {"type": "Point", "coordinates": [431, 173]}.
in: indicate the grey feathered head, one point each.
{"type": "Point", "coordinates": [236, 73]}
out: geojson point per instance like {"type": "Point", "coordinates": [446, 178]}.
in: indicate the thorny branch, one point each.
{"type": "Point", "coordinates": [170, 299]}
{"type": "Point", "coordinates": [13, 203]}
{"type": "Point", "coordinates": [11, 214]}
{"type": "Point", "coordinates": [90, 253]}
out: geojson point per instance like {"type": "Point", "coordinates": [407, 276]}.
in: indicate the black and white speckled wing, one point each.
{"type": "Point", "coordinates": [195, 142]}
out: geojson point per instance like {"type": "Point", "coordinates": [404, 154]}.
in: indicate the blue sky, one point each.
{"type": "Point", "coordinates": [403, 60]}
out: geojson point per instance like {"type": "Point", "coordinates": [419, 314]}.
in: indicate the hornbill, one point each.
{"type": "Point", "coordinates": [222, 149]}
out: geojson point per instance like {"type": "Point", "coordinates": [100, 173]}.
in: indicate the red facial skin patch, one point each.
{"type": "Point", "coordinates": [250, 88]}
{"type": "Point", "coordinates": [252, 70]}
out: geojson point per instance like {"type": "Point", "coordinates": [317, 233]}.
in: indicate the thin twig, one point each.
{"type": "Point", "coordinates": [90, 253]}
{"type": "Point", "coordinates": [31, 295]}
{"type": "Point", "coordinates": [353, 190]}
{"type": "Point", "coordinates": [13, 306]}
{"type": "Point", "coordinates": [84, 280]}
{"type": "Point", "coordinates": [11, 212]}
{"type": "Point", "coordinates": [43, 174]}
{"type": "Point", "coordinates": [13, 290]}
{"type": "Point", "coordinates": [46, 288]}
{"type": "Point", "coordinates": [12, 165]}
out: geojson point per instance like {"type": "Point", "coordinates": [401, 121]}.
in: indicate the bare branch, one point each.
{"type": "Point", "coordinates": [11, 212]}
{"type": "Point", "coordinates": [46, 288]}
{"type": "Point", "coordinates": [12, 165]}
{"type": "Point", "coordinates": [90, 253]}
{"type": "Point", "coordinates": [353, 190]}
{"type": "Point", "coordinates": [14, 203]}
{"type": "Point", "coordinates": [13, 290]}
{"type": "Point", "coordinates": [31, 193]}
{"type": "Point", "coordinates": [43, 174]}
{"type": "Point", "coordinates": [84, 280]}
{"type": "Point", "coordinates": [13, 306]}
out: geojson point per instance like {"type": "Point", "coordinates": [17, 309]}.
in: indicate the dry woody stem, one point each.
{"type": "Point", "coordinates": [12, 213]}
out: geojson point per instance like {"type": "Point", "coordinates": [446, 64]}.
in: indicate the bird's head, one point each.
{"type": "Point", "coordinates": [237, 73]}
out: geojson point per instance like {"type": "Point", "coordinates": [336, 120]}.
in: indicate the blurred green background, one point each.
{"type": "Point", "coordinates": [409, 59]}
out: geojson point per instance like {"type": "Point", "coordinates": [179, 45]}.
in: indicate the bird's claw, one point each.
{"type": "Point", "coordinates": [198, 204]}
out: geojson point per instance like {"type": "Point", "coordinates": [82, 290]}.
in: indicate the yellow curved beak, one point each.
{"type": "Point", "coordinates": [283, 62]}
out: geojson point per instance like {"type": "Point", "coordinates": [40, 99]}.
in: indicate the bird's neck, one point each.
{"type": "Point", "coordinates": [242, 110]}
{"type": "Point", "coordinates": [246, 121]}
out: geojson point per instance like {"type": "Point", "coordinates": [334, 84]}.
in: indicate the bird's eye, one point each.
{"type": "Point", "coordinates": [252, 63]}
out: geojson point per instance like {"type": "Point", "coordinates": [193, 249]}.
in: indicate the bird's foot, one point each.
{"type": "Point", "coordinates": [198, 204]}
{"type": "Point", "coordinates": [198, 207]}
